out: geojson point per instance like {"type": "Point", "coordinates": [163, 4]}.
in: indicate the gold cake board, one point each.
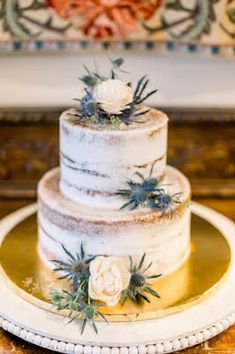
{"type": "Point", "coordinates": [196, 279]}
{"type": "Point", "coordinates": [193, 317]}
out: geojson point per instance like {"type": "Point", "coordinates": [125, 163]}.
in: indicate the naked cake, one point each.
{"type": "Point", "coordinates": [114, 216]}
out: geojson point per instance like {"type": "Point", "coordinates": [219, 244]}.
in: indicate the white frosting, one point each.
{"type": "Point", "coordinates": [166, 241]}
{"type": "Point", "coordinates": [95, 163]}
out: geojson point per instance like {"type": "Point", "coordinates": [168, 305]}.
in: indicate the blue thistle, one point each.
{"type": "Point", "coordinates": [140, 192]}
{"type": "Point", "coordinates": [78, 302]}
{"type": "Point", "coordinates": [76, 269]}
{"type": "Point", "coordinates": [138, 287]}
{"type": "Point", "coordinates": [148, 193]}
{"type": "Point", "coordinates": [89, 313]}
{"type": "Point", "coordinates": [88, 105]}
{"type": "Point", "coordinates": [83, 309]}
{"type": "Point", "coordinates": [91, 109]}
{"type": "Point", "coordinates": [164, 202]}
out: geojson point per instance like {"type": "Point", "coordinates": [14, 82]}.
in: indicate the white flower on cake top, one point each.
{"type": "Point", "coordinates": [108, 278]}
{"type": "Point", "coordinates": [113, 96]}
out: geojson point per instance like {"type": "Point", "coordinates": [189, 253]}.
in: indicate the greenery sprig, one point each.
{"type": "Point", "coordinates": [148, 193]}
{"type": "Point", "coordinates": [92, 78]}
{"type": "Point", "coordinates": [139, 93]}
{"type": "Point", "coordinates": [139, 287]}
{"type": "Point", "coordinates": [85, 311]}
{"type": "Point", "coordinates": [91, 112]}
{"type": "Point", "coordinates": [75, 269]}
{"type": "Point", "coordinates": [78, 302]}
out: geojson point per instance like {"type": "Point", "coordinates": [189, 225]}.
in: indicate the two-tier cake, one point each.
{"type": "Point", "coordinates": [114, 216]}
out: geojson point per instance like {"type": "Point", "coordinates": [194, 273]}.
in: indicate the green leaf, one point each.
{"type": "Point", "coordinates": [127, 204]}
{"type": "Point", "coordinates": [83, 325]}
{"type": "Point", "coordinates": [147, 96]}
{"type": "Point", "coordinates": [82, 251]}
{"type": "Point", "coordinates": [117, 62]}
{"type": "Point", "coordinates": [89, 80]}
{"type": "Point", "coordinates": [131, 262]}
{"type": "Point", "coordinates": [59, 262]}
{"type": "Point", "coordinates": [148, 266]}
{"type": "Point", "coordinates": [72, 319]}
{"type": "Point", "coordinates": [87, 69]}
{"type": "Point", "coordinates": [134, 206]}
{"type": "Point", "coordinates": [67, 293]}
{"type": "Point", "coordinates": [124, 296]}
{"type": "Point", "coordinates": [123, 191]}
{"type": "Point", "coordinates": [57, 269]}
{"type": "Point", "coordinates": [143, 87]}
{"type": "Point", "coordinates": [143, 296]}
{"type": "Point", "coordinates": [151, 291]}
{"type": "Point", "coordinates": [98, 76]}
{"type": "Point", "coordinates": [64, 276]}
{"type": "Point", "coordinates": [141, 262]}
{"type": "Point", "coordinates": [68, 253]}
{"type": "Point", "coordinates": [141, 113]}
{"type": "Point", "coordinates": [103, 316]}
{"type": "Point", "coordinates": [139, 83]}
{"type": "Point", "coordinates": [154, 276]}
{"type": "Point", "coordinates": [113, 75]}
{"type": "Point", "coordinates": [94, 327]}
{"type": "Point", "coordinates": [140, 175]}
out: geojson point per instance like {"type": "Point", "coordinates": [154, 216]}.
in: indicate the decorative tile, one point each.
{"type": "Point", "coordinates": [50, 24]}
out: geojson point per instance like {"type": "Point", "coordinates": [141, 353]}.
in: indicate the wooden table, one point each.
{"type": "Point", "coordinates": [222, 344]}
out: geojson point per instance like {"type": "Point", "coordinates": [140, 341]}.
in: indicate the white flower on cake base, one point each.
{"type": "Point", "coordinates": [113, 95]}
{"type": "Point", "coordinates": [108, 278]}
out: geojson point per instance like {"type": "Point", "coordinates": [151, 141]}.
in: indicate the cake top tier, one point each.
{"type": "Point", "coordinates": [111, 103]}
{"type": "Point", "coordinates": [95, 163]}
{"type": "Point", "coordinates": [109, 138]}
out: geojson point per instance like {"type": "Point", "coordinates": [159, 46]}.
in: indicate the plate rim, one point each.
{"type": "Point", "coordinates": [118, 317]}
{"type": "Point", "coordinates": [162, 334]}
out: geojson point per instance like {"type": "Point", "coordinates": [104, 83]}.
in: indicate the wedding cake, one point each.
{"type": "Point", "coordinates": [113, 217]}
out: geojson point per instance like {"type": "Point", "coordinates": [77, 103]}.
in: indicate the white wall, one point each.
{"type": "Point", "coordinates": [183, 80]}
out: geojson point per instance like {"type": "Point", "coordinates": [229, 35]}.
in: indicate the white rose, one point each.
{"type": "Point", "coordinates": [108, 278]}
{"type": "Point", "coordinates": [113, 95]}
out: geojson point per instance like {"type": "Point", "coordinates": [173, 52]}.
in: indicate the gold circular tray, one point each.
{"type": "Point", "coordinates": [197, 278]}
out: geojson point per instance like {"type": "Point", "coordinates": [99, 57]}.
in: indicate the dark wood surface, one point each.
{"type": "Point", "coordinates": [201, 145]}
{"type": "Point", "coordinates": [222, 344]}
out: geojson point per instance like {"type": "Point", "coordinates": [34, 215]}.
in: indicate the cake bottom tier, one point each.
{"type": "Point", "coordinates": [121, 233]}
